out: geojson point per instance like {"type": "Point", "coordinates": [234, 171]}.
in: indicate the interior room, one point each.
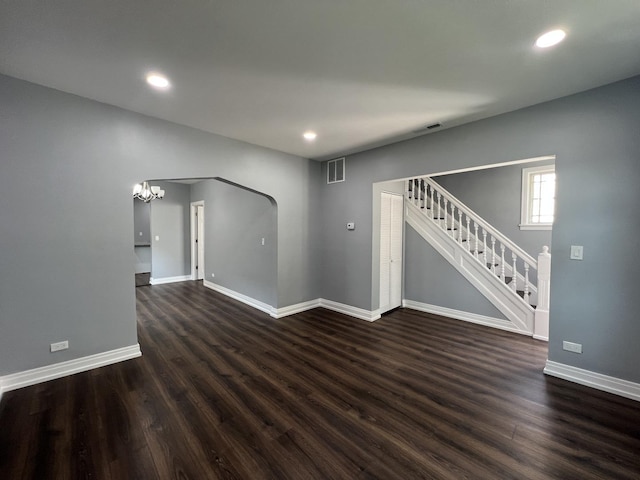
{"type": "Point", "coordinates": [370, 239]}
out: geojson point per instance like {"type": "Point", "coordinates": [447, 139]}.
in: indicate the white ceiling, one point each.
{"type": "Point", "coordinates": [360, 73]}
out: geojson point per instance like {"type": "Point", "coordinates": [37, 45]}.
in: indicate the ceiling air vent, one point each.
{"type": "Point", "coordinates": [427, 128]}
{"type": "Point", "coordinates": [335, 170]}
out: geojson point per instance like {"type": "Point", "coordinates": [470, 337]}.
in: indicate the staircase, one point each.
{"type": "Point", "coordinates": [512, 280]}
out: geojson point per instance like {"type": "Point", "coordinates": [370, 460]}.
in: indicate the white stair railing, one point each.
{"type": "Point", "coordinates": [477, 237]}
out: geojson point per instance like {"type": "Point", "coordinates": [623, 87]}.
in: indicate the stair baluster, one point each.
{"type": "Point", "coordinates": [460, 226]}
{"type": "Point", "coordinates": [423, 194]}
{"type": "Point", "coordinates": [439, 214]}
{"type": "Point", "coordinates": [493, 254]}
{"type": "Point", "coordinates": [514, 273]}
{"type": "Point", "coordinates": [475, 228]}
{"type": "Point", "coordinates": [526, 282]}
{"type": "Point", "coordinates": [484, 245]}
{"type": "Point", "coordinates": [431, 194]}
{"type": "Point", "coordinates": [502, 249]}
{"type": "Point", "coordinates": [446, 203]}
{"type": "Point", "coordinates": [416, 195]}
{"type": "Point", "coordinates": [468, 234]}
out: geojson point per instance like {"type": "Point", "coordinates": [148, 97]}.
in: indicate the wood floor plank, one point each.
{"type": "Point", "coordinates": [223, 391]}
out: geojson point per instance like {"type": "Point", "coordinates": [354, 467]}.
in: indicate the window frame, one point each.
{"type": "Point", "coordinates": [525, 204]}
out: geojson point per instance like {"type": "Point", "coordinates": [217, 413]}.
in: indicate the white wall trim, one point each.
{"type": "Point", "coordinates": [361, 313]}
{"type": "Point", "coordinates": [252, 302]}
{"type": "Point", "coordinates": [356, 312]}
{"type": "Point", "coordinates": [63, 369]}
{"type": "Point", "coordinates": [296, 308]}
{"type": "Point", "coordinates": [160, 281]}
{"type": "Point", "coordinates": [614, 385]}
{"type": "Point", "coordinates": [464, 316]}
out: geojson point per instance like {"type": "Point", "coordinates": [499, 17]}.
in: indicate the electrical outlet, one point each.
{"type": "Point", "coordinates": [59, 346]}
{"type": "Point", "coordinates": [572, 347]}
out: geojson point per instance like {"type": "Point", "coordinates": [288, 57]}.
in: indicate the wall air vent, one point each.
{"type": "Point", "coordinates": [335, 170]}
{"type": "Point", "coordinates": [435, 125]}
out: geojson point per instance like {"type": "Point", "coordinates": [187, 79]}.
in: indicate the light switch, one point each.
{"type": "Point", "coordinates": [576, 252]}
{"type": "Point", "coordinates": [157, 238]}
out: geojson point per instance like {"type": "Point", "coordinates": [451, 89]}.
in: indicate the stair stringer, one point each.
{"type": "Point", "coordinates": [520, 315]}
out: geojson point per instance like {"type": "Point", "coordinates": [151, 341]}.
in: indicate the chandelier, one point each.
{"type": "Point", "coordinates": [144, 192]}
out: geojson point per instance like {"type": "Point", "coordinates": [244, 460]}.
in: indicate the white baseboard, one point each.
{"type": "Point", "coordinates": [614, 385]}
{"type": "Point", "coordinates": [499, 323]}
{"type": "Point", "coordinates": [361, 313]}
{"type": "Point", "coordinates": [160, 281]}
{"type": "Point", "coordinates": [252, 302]}
{"type": "Point", "coordinates": [63, 369]}
{"type": "Point", "coordinates": [281, 312]}
{"type": "Point", "coordinates": [296, 308]}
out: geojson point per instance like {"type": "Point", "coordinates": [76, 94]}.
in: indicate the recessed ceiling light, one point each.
{"type": "Point", "coordinates": [550, 39]}
{"type": "Point", "coordinates": [157, 80]}
{"type": "Point", "coordinates": [310, 135]}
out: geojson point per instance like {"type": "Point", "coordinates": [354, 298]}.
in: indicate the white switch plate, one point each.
{"type": "Point", "coordinates": [572, 347]}
{"type": "Point", "coordinates": [576, 252]}
{"type": "Point", "coordinates": [157, 238]}
{"type": "Point", "coordinates": [59, 346]}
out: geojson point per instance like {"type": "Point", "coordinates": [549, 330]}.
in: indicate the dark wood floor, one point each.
{"type": "Point", "coordinates": [223, 391]}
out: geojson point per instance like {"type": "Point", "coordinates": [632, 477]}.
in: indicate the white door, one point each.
{"type": "Point", "coordinates": [197, 240]}
{"type": "Point", "coordinates": [200, 242]}
{"type": "Point", "coordinates": [391, 225]}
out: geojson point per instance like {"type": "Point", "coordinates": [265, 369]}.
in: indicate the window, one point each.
{"type": "Point", "coordinates": [335, 170]}
{"type": "Point", "coordinates": [538, 198]}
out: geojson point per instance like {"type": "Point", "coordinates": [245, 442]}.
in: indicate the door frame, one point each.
{"type": "Point", "coordinates": [194, 236]}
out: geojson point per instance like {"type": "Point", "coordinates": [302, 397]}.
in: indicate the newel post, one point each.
{"type": "Point", "coordinates": [541, 323]}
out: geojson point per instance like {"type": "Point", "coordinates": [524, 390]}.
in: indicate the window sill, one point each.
{"type": "Point", "coordinates": [534, 226]}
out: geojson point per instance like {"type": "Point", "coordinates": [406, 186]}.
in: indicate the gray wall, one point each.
{"type": "Point", "coordinates": [170, 223]}
{"type": "Point", "coordinates": [429, 278]}
{"type": "Point", "coordinates": [496, 194]}
{"type": "Point", "coordinates": [67, 169]}
{"type": "Point", "coordinates": [597, 147]}
{"type": "Point", "coordinates": [236, 220]}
